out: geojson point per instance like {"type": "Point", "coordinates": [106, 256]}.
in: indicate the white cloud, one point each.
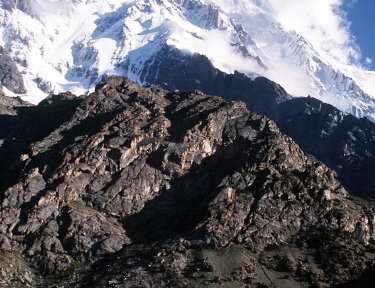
{"type": "Point", "coordinates": [368, 61]}
{"type": "Point", "coordinates": [321, 22]}
{"type": "Point", "coordinates": [351, 3]}
{"type": "Point", "coordinates": [294, 79]}
{"type": "Point", "coordinates": [225, 57]}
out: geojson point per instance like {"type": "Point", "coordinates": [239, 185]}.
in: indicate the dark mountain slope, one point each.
{"type": "Point", "coordinates": [171, 69]}
{"type": "Point", "coordinates": [345, 143]}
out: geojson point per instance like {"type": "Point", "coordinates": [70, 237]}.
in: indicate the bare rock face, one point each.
{"type": "Point", "coordinates": [138, 180]}
{"type": "Point", "coordinates": [10, 77]}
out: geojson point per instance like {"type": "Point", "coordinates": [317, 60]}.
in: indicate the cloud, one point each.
{"type": "Point", "coordinates": [294, 79]}
{"type": "Point", "coordinates": [321, 22]}
{"type": "Point", "coordinates": [351, 3]}
{"type": "Point", "coordinates": [226, 58]}
{"type": "Point", "coordinates": [368, 61]}
{"type": "Point", "coordinates": [224, 55]}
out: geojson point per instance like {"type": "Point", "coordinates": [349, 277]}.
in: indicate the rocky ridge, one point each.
{"type": "Point", "coordinates": [167, 186]}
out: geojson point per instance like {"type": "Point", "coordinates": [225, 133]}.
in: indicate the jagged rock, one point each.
{"type": "Point", "coordinates": [10, 77]}
{"type": "Point", "coordinates": [132, 173]}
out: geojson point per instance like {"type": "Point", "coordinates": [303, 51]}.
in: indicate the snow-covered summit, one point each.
{"type": "Point", "coordinates": [69, 45]}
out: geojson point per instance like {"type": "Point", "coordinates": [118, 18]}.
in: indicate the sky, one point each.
{"type": "Point", "coordinates": [361, 14]}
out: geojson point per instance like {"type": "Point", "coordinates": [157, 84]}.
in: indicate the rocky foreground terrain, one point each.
{"type": "Point", "coordinates": [139, 187]}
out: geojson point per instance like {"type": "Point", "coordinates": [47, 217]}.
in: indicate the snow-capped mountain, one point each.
{"type": "Point", "coordinates": [62, 45]}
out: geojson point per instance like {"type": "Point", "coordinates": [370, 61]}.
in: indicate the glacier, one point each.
{"type": "Point", "coordinates": [62, 45]}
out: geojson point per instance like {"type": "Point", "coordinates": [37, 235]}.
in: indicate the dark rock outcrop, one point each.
{"type": "Point", "coordinates": [140, 187]}
{"type": "Point", "coordinates": [10, 77]}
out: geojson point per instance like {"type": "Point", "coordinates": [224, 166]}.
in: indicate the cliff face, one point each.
{"type": "Point", "coordinates": [139, 187]}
